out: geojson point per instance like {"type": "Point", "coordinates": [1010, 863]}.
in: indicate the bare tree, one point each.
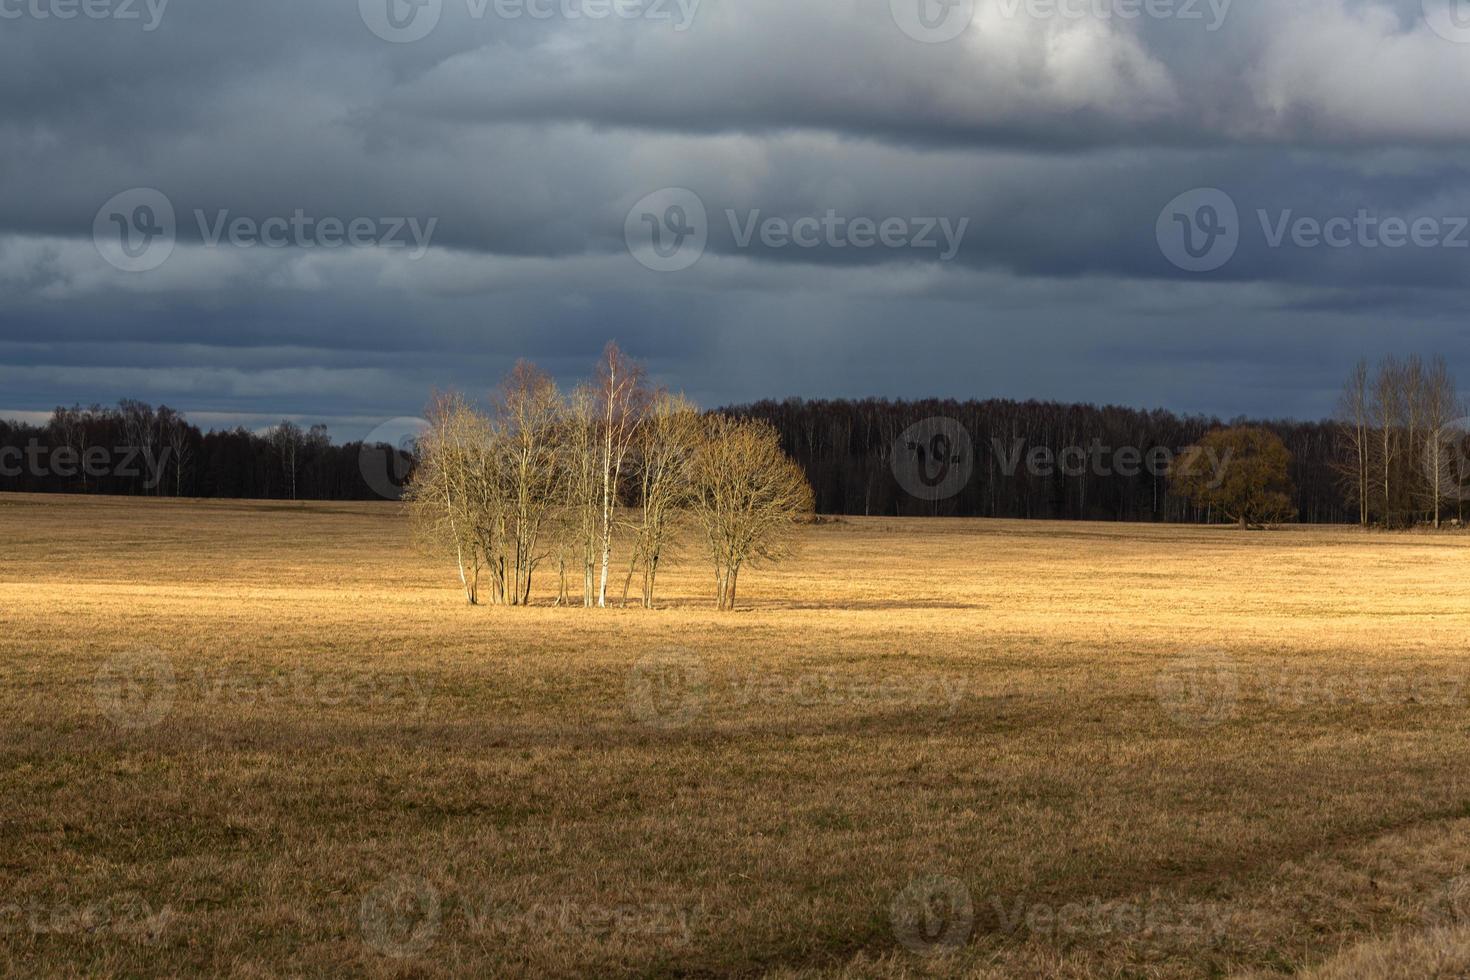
{"type": "Point", "coordinates": [140, 423]}
{"type": "Point", "coordinates": [529, 413]}
{"type": "Point", "coordinates": [1411, 403]}
{"type": "Point", "coordinates": [178, 444]}
{"type": "Point", "coordinates": [288, 440]}
{"type": "Point", "coordinates": [621, 397]}
{"type": "Point", "coordinates": [748, 496]}
{"type": "Point", "coordinates": [444, 496]}
{"type": "Point", "coordinates": [1440, 407]}
{"type": "Point", "coordinates": [581, 493]}
{"type": "Point", "coordinates": [68, 428]}
{"type": "Point", "coordinates": [173, 431]}
{"type": "Point", "coordinates": [1352, 416]}
{"type": "Point", "coordinates": [1385, 409]}
{"type": "Point", "coordinates": [665, 447]}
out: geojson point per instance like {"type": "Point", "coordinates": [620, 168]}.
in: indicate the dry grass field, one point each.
{"type": "Point", "coordinates": [251, 739]}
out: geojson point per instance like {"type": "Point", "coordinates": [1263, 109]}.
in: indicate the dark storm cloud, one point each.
{"type": "Point", "coordinates": [1056, 139]}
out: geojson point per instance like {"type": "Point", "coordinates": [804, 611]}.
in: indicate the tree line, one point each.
{"type": "Point", "coordinates": [135, 448]}
{"type": "Point", "coordinates": [545, 478]}
{"type": "Point", "coordinates": [848, 447]}
{"type": "Point", "coordinates": [1392, 455]}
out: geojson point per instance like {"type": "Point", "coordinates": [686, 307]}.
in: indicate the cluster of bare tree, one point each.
{"type": "Point", "coordinates": [546, 477]}
{"type": "Point", "coordinates": [1402, 442]}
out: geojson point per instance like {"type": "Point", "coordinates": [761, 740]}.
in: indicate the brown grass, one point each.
{"type": "Point", "coordinates": [261, 739]}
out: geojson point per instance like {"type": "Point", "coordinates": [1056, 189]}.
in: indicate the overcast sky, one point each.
{"type": "Point", "coordinates": [971, 199]}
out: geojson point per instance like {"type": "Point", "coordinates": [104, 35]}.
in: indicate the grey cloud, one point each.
{"type": "Point", "coordinates": [1059, 140]}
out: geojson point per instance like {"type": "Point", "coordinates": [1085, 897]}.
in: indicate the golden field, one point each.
{"type": "Point", "coordinates": [261, 739]}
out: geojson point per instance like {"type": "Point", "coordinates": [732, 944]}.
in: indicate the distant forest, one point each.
{"type": "Point", "coordinates": [139, 450]}
{"type": "Point", "coordinates": [846, 448]}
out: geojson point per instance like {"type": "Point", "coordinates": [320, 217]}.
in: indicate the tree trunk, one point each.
{"type": "Point", "coordinates": [650, 574]}
{"type": "Point", "coordinates": [628, 579]}
{"type": "Point", "coordinates": [607, 507]}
